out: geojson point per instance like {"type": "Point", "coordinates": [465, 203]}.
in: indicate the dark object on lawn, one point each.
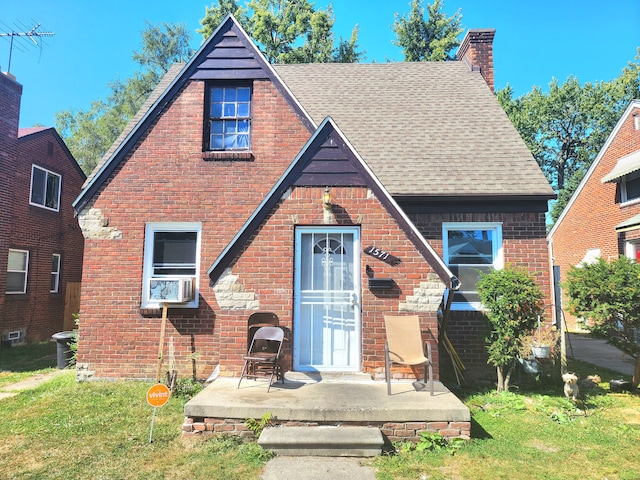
{"type": "Point", "coordinates": [618, 386]}
{"type": "Point", "coordinates": [64, 354]}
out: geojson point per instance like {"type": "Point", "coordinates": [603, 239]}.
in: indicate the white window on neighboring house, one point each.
{"type": "Point", "coordinates": [55, 273]}
{"type": "Point", "coordinates": [17, 268]}
{"type": "Point", "coordinates": [171, 258]}
{"type": "Point", "coordinates": [45, 188]}
{"type": "Point", "coordinates": [630, 190]}
{"type": "Point", "coordinates": [471, 248]}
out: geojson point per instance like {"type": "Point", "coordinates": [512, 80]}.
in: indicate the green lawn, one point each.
{"type": "Point", "coordinates": [66, 429]}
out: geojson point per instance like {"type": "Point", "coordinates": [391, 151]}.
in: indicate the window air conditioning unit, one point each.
{"type": "Point", "coordinates": [171, 290]}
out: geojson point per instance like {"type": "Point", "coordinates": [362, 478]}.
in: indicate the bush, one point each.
{"type": "Point", "coordinates": [607, 295]}
{"type": "Point", "coordinates": [513, 302]}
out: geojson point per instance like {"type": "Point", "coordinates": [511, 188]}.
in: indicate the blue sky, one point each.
{"type": "Point", "coordinates": [93, 43]}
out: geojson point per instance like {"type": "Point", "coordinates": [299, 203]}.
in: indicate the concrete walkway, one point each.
{"type": "Point", "coordinates": [598, 352]}
{"type": "Point", "coordinates": [14, 389]}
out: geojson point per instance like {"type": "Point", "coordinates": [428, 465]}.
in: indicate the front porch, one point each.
{"type": "Point", "coordinates": [328, 400]}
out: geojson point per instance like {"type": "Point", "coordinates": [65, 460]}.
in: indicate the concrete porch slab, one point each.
{"type": "Point", "coordinates": [327, 398]}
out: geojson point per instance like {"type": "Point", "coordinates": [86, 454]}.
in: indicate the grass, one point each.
{"type": "Point", "coordinates": [65, 429]}
{"type": "Point", "coordinates": [18, 363]}
{"type": "Point", "coordinates": [535, 433]}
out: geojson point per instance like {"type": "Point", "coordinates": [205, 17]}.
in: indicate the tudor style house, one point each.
{"type": "Point", "coordinates": [602, 218]}
{"type": "Point", "coordinates": [41, 245]}
{"type": "Point", "coordinates": [327, 194]}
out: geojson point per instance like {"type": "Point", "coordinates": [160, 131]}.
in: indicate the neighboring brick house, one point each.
{"type": "Point", "coordinates": [602, 218]}
{"type": "Point", "coordinates": [328, 194]}
{"type": "Point", "coordinates": [41, 245]}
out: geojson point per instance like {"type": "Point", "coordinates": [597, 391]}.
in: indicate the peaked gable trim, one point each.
{"type": "Point", "coordinates": [194, 70]}
{"type": "Point", "coordinates": [29, 134]}
{"type": "Point", "coordinates": [614, 133]}
{"type": "Point", "coordinates": [329, 135]}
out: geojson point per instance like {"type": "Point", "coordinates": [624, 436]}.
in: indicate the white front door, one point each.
{"type": "Point", "coordinates": [327, 299]}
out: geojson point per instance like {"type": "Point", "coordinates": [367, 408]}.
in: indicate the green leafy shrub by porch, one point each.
{"type": "Point", "coordinates": [607, 295]}
{"type": "Point", "coordinates": [512, 302]}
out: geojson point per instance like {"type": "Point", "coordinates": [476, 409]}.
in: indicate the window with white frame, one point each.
{"type": "Point", "coordinates": [229, 117]}
{"type": "Point", "coordinates": [471, 248]}
{"type": "Point", "coordinates": [55, 273]}
{"type": "Point", "coordinates": [631, 188]}
{"type": "Point", "coordinates": [172, 250]}
{"type": "Point", "coordinates": [45, 188]}
{"type": "Point", "coordinates": [17, 268]}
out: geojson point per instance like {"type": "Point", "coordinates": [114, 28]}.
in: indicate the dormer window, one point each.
{"type": "Point", "coordinates": [229, 117]}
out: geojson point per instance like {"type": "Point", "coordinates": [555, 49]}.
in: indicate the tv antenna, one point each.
{"type": "Point", "coordinates": [32, 35]}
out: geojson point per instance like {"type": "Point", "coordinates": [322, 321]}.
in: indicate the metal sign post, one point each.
{"type": "Point", "coordinates": [157, 396]}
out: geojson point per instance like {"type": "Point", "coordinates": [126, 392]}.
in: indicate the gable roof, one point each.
{"type": "Point", "coordinates": [327, 146]}
{"type": "Point", "coordinates": [425, 128]}
{"type": "Point", "coordinates": [614, 133]}
{"type": "Point", "coordinates": [227, 54]}
{"type": "Point", "coordinates": [31, 133]}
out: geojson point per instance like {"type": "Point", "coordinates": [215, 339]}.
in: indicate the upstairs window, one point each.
{"type": "Point", "coordinates": [229, 117]}
{"type": "Point", "coordinates": [45, 188]}
{"type": "Point", "coordinates": [17, 267]}
{"type": "Point", "coordinates": [469, 249]}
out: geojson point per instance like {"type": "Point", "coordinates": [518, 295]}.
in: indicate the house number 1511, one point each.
{"type": "Point", "coordinates": [382, 255]}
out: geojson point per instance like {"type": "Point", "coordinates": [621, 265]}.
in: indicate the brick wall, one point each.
{"type": "Point", "coordinates": [167, 179]}
{"type": "Point", "coordinates": [393, 431]}
{"type": "Point", "coordinates": [44, 232]}
{"type": "Point", "coordinates": [524, 244]}
{"type": "Point", "coordinates": [590, 221]}
{"type": "Point", "coordinates": [10, 93]}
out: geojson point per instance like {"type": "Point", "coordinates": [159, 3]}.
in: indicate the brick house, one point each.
{"type": "Point", "coordinates": [328, 194]}
{"type": "Point", "coordinates": [602, 218]}
{"type": "Point", "coordinates": [41, 245]}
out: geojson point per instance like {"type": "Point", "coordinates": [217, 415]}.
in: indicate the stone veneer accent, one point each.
{"type": "Point", "coordinates": [393, 431]}
{"type": "Point", "coordinates": [231, 294]}
{"type": "Point", "coordinates": [95, 225]}
{"type": "Point", "coordinates": [426, 298]}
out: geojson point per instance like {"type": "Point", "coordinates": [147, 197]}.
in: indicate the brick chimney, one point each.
{"type": "Point", "coordinates": [476, 50]}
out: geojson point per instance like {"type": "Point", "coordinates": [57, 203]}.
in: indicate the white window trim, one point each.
{"type": "Point", "coordinates": [57, 274]}
{"type": "Point", "coordinates": [624, 199]}
{"type": "Point", "coordinates": [26, 272]}
{"type": "Point", "coordinates": [152, 227]}
{"type": "Point", "coordinates": [48, 172]}
{"type": "Point", "coordinates": [497, 246]}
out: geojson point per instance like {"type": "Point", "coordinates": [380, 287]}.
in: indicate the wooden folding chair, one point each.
{"type": "Point", "coordinates": [404, 346]}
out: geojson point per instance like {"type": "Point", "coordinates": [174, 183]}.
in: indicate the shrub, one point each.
{"type": "Point", "coordinates": [512, 301]}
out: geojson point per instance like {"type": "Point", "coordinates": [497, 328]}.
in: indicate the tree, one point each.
{"type": "Point", "coordinates": [607, 295]}
{"type": "Point", "coordinates": [90, 133]}
{"type": "Point", "coordinates": [287, 31]}
{"type": "Point", "coordinates": [566, 126]}
{"type": "Point", "coordinates": [431, 39]}
{"type": "Point", "coordinates": [513, 302]}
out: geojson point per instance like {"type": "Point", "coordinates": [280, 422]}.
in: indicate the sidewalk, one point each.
{"type": "Point", "coordinates": [13, 389]}
{"type": "Point", "coordinates": [598, 352]}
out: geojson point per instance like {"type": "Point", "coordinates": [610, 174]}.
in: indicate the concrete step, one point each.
{"type": "Point", "coordinates": [323, 441]}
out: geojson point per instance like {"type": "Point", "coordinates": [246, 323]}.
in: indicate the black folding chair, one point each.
{"type": "Point", "coordinates": [263, 360]}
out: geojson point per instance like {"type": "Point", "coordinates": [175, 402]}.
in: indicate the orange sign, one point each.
{"type": "Point", "coordinates": [158, 395]}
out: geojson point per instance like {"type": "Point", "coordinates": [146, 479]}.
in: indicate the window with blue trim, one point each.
{"type": "Point", "coordinates": [229, 117]}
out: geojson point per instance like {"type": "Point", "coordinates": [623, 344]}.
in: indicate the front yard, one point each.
{"type": "Point", "coordinates": [65, 429]}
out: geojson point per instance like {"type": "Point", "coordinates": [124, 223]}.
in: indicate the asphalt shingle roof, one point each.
{"type": "Point", "coordinates": [424, 128]}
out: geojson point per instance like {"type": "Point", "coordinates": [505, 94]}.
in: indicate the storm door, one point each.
{"type": "Point", "coordinates": [327, 299]}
